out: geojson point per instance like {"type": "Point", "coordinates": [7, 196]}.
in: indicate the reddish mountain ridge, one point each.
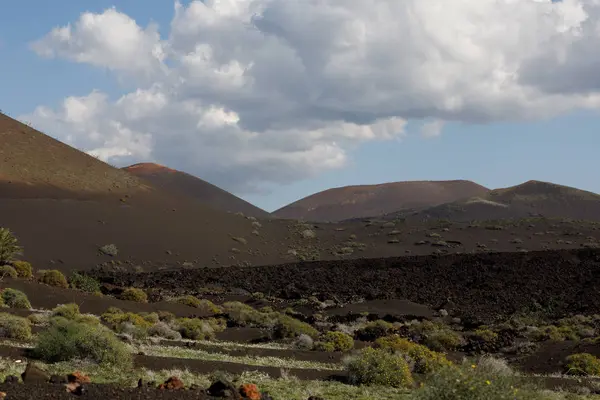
{"type": "Point", "coordinates": [374, 200]}
{"type": "Point", "coordinates": [183, 184]}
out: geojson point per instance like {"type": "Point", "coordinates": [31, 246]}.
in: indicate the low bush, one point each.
{"type": "Point", "coordinates": [114, 318]}
{"type": "Point", "coordinates": [134, 294]}
{"type": "Point", "coordinates": [53, 277]}
{"type": "Point", "coordinates": [374, 330]}
{"type": "Point", "coordinates": [304, 342]}
{"type": "Point", "coordinates": [199, 329]}
{"type": "Point", "coordinates": [23, 268]}
{"type": "Point", "coordinates": [68, 311]}
{"type": "Point", "coordinates": [289, 327]}
{"type": "Point", "coordinates": [163, 330]}
{"type": "Point", "coordinates": [84, 282]}
{"type": "Point", "coordinates": [582, 364]}
{"type": "Point", "coordinates": [166, 316]}
{"type": "Point", "coordinates": [14, 298]}
{"type": "Point", "coordinates": [205, 306]}
{"type": "Point", "coordinates": [67, 340]}
{"type": "Point", "coordinates": [378, 367]}
{"type": "Point", "coordinates": [467, 383]}
{"type": "Point", "coordinates": [244, 315]}
{"type": "Point", "coordinates": [336, 341]}
{"type": "Point", "coordinates": [436, 336]}
{"type": "Point", "coordinates": [14, 327]}
{"type": "Point", "coordinates": [39, 319]}
{"type": "Point", "coordinates": [8, 271]}
{"type": "Point", "coordinates": [424, 359]}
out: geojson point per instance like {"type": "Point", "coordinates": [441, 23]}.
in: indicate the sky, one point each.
{"type": "Point", "coordinates": [274, 100]}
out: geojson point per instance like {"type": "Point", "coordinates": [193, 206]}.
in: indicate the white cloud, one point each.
{"type": "Point", "coordinates": [268, 91]}
{"type": "Point", "coordinates": [432, 129]}
{"type": "Point", "coordinates": [111, 40]}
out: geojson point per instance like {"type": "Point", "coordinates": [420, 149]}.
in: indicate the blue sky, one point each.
{"type": "Point", "coordinates": [557, 146]}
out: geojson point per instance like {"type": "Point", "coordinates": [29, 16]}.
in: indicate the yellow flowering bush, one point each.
{"type": "Point", "coordinates": [425, 360]}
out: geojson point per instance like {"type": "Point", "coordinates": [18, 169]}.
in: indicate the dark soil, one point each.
{"type": "Point", "coordinates": [484, 287]}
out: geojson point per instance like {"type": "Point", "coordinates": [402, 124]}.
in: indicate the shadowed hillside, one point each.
{"type": "Point", "coordinates": [373, 200]}
{"type": "Point", "coordinates": [183, 184]}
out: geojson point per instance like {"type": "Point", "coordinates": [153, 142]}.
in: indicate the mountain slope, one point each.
{"type": "Point", "coordinates": [373, 200]}
{"type": "Point", "coordinates": [183, 184]}
{"type": "Point", "coordinates": [33, 165]}
{"type": "Point", "coordinates": [532, 198]}
{"type": "Point", "coordinates": [63, 205]}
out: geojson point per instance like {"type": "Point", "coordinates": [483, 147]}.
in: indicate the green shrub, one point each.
{"type": "Point", "coordinates": [53, 277]}
{"type": "Point", "coordinates": [15, 299]}
{"type": "Point", "coordinates": [485, 335]}
{"type": "Point", "coordinates": [244, 315]}
{"type": "Point", "coordinates": [205, 306]}
{"type": "Point", "coordinates": [14, 327]}
{"type": "Point", "coordinates": [8, 271]}
{"type": "Point", "coordinates": [289, 327]}
{"type": "Point", "coordinates": [166, 316]}
{"type": "Point", "coordinates": [378, 367]}
{"type": "Point", "coordinates": [163, 330]}
{"type": "Point", "coordinates": [336, 341]}
{"type": "Point", "coordinates": [199, 329]}
{"type": "Point", "coordinates": [443, 340]}
{"type": "Point", "coordinates": [150, 317]}
{"type": "Point", "coordinates": [425, 360]}
{"type": "Point", "coordinates": [23, 268]}
{"type": "Point", "coordinates": [466, 383]}
{"type": "Point", "coordinates": [582, 364]}
{"type": "Point", "coordinates": [67, 340]}
{"type": "Point", "coordinates": [374, 330]}
{"type": "Point", "coordinates": [68, 311]}
{"type": "Point", "coordinates": [9, 247]}
{"type": "Point", "coordinates": [134, 294]}
{"type": "Point", "coordinates": [116, 319]}
{"type": "Point", "coordinates": [84, 282]}
{"type": "Point", "coordinates": [38, 319]}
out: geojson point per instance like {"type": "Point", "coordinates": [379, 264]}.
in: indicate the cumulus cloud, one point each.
{"type": "Point", "coordinates": [247, 92]}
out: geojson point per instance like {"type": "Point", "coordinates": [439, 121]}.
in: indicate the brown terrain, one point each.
{"type": "Point", "coordinates": [530, 199]}
{"type": "Point", "coordinates": [372, 200]}
{"type": "Point", "coordinates": [520, 272]}
{"type": "Point", "coordinates": [183, 184]}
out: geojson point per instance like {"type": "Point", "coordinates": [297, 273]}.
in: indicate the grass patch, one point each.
{"type": "Point", "coordinates": [195, 354]}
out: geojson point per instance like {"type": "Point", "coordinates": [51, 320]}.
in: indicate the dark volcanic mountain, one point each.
{"type": "Point", "coordinates": [184, 184]}
{"type": "Point", "coordinates": [530, 199]}
{"type": "Point", "coordinates": [374, 200]}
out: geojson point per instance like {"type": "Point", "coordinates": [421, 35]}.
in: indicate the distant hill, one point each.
{"type": "Point", "coordinates": [184, 184]}
{"type": "Point", "coordinates": [374, 200]}
{"type": "Point", "coordinates": [530, 199]}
